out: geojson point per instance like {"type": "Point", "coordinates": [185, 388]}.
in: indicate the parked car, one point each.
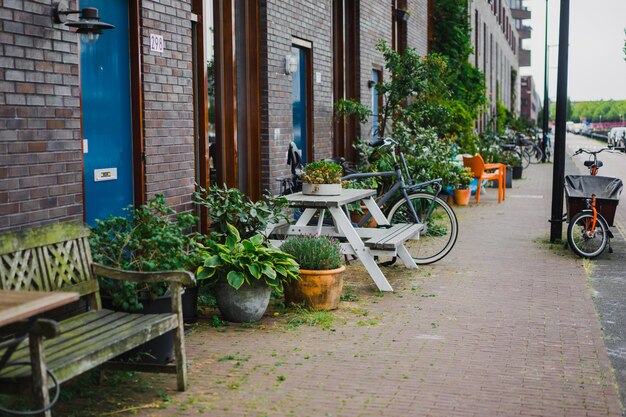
{"type": "Point", "coordinates": [617, 138]}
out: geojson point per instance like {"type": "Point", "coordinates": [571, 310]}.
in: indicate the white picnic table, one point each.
{"type": "Point", "coordinates": [363, 242]}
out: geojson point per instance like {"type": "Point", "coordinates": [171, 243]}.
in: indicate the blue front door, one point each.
{"type": "Point", "coordinates": [299, 101]}
{"type": "Point", "coordinates": [106, 112]}
{"type": "Point", "coordinates": [375, 109]}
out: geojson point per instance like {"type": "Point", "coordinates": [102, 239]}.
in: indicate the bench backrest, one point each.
{"type": "Point", "coordinates": [48, 258]}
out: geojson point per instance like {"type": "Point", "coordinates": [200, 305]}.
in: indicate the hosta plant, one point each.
{"type": "Point", "coordinates": [242, 261]}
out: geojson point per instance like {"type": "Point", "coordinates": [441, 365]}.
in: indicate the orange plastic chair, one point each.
{"type": "Point", "coordinates": [489, 172]}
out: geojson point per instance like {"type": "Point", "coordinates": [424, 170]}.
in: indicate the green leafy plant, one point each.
{"type": "Point", "coordinates": [322, 172]}
{"type": "Point", "coordinates": [511, 159]}
{"type": "Point", "coordinates": [149, 238]}
{"type": "Point", "coordinates": [315, 253]}
{"type": "Point", "coordinates": [352, 107]}
{"type": "Point", "coordinates": [465, 178]}
{"type": "Point", "coordinates": [230, 206]}
{"type": "Point", "coordinates": [241, 261]}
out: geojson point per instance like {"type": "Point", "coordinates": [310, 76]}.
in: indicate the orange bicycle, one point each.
{"type": "Point", "coordinates": [591, 204]}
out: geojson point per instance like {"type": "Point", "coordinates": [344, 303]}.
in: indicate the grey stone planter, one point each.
{"type": "Point", "coordinates": [248, 303]}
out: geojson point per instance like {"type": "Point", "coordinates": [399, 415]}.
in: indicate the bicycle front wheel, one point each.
{"type": "Point", "coordinates": [440, 230]}
{"type": "Point", "coordinates": [525, 155]}
{"type": "Point", "coordinates": [585, 242]}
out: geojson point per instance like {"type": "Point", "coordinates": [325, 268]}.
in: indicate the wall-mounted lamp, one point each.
{"type": "Point", "coordinates": [89, 25]}
{"type": "Point", "coordinates": [402, 15]}
{"type": "Point", "coordinates": [291, 64]}
{"type": "Point", "coordinates": [371, 84]}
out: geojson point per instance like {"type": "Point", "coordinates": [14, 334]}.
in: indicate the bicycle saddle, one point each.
{"type": "Point", "coordinates": [590, 164]}
{"type": "Point", "coordinates": [508, 146]}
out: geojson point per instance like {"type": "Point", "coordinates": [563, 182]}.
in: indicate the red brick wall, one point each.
{"type": "Point", "coordinates": [40, 143]}
{"type": "Point", "coordinates": [168, 101]}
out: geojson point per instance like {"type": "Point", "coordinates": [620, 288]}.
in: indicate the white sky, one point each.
{"type": "Point", "coordinates": [597, 69]}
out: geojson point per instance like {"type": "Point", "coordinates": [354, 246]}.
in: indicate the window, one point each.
{"type": "Point", "coordinates": [226, 95]}
{"type": "Point", "coordinates": [345, 71]}
{"type": "Point", "coordinates": [398, 25]}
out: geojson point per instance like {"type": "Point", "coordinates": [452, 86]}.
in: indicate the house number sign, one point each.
{"type": "Point", "coordinates": [156, 43]}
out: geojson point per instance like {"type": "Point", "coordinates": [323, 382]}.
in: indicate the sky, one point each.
{"type": "Point", "coordinates": [597, 69]}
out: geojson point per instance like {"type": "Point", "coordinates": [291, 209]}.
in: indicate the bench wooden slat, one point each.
{"type": "Point", "coordinates": [72, 328]}
{"type": "Point", "coordinates": [394, 236]}
{"type": "Point", "coordinates": [94, 331]}
{"type": "Point", "coordinates": [91, 350]}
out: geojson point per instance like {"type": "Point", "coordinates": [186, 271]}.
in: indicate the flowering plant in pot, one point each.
{"type": "Point", "coordinates": [244, 272]}
{"type": "Point", "coordinates": [321, 272]}
{"type": "Point", "coordinates": [321, 178]}
{"type": "Point", "coordinates": [462, 192]}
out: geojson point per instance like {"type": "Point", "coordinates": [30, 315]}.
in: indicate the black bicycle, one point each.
{"type": "Point", "coordinates": [409, 202]}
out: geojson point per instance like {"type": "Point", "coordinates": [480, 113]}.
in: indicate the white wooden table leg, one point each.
{"type": "Point", "coordinates": [306, 217]}
{"type": "Point", "coordinates": [320, 222]}
{"type": "Point", "coordinates": [377, 214]}
{"type": "Point", "coordinates": [406, 257]}
{"type": "Point", "coordinates": [362, 252]}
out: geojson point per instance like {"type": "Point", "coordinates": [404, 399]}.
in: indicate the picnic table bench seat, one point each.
{"type": "Point", "coordinates": [394, 236]}
{"type": "Point", "coordinates": [58, 258]}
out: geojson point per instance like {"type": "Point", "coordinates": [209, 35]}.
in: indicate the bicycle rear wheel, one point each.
{"type": "Point", "coordinates": [536, 155]}
{"type": "Point", "coordinates": [440, 231]}
{"type": "Point", "coordinates": [585, 242]}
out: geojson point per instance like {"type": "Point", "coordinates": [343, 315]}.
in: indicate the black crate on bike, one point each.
{"type": "Point", "coordinates": [579, 188]}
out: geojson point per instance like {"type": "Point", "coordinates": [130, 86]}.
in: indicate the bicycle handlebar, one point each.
{"type": "Point", "coordinates": [587, 151]}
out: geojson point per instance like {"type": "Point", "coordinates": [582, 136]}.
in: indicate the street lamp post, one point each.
{"type": "Point", "coordinates": [558, 173]}
{"type": "Point", "coordinates": [546, 99]}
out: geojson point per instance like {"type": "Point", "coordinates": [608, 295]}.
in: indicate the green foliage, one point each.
{"type": "Point", "coordinates": [350, 107]}
{"type": "Point", "coordinates": [452, 39]}
{"type": "Point", "coordinates": [150, 238]}
{"type": "Point", "coordinates": [593, 111]}
{"type": "Point", "coordinates": [511, 159]}
{"type": "Point", "coordinates": [315, 253]}
{"type": "Point", "coordinates": [370, 183]}
{"type": "Point", "coordinates": [465, 178]}
{"type": "Point", "coordinates": [427, 156]}
{"type": "Point", "coordinates": [241, 261]}
{"type": "Point", "coordinates": [231, 206]}
{"type": "Point", "coordinates": [322, 172]}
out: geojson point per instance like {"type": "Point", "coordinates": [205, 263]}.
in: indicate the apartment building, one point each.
{"type": "Point", "coordinates": [531, 102]}
{"type": "Point", "coordinates": [179, 92]}
{"type": "Point", "coordinates": [497, 34]}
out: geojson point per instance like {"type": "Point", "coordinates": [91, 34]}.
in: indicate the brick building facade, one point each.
{"type": "Point", "coordinates": [498, 51]}
{"type": "Point", "coordinates": [172, 121]}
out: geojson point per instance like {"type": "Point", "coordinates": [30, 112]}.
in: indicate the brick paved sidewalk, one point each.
{"type": "Point", "coordinates": [504, 326]}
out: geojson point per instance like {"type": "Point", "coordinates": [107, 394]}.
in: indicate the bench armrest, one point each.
{"type": "Point", "coordinates": [185, 278]}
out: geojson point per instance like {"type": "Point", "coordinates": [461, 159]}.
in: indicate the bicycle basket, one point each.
{"type": "Point", "coordinates": [578, 188]}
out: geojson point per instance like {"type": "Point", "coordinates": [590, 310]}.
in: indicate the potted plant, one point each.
{"type": "Point", "coordinates": [321, 178]}
{"type": "Point", "coordinates": [244, 272]}
{"type": "Point", "coordinates": [514, 168]}
{"type": "Point", "coordinates": [357, 210]}
{"type": "Point", "coordinates": [229, 206]}
{"type": "Point", "coordinates": [149, 238]}
{"type": "Point", "coordinates": [321, 272]}
{"type": "Point", "coordinates": [462, 192]}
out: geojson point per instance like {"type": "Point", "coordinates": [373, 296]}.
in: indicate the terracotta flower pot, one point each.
{"type": "Point", "coordinates": [317, 290]}
{"type": "Point", "coordinates": [356, 217]}
{"type": "Point", "coordinates": [462, 197]}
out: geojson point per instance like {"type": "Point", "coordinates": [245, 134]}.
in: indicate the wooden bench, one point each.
{"type": "Point", "coordinates": [394, 236]}
{"type": "Point", "coordinates": [58, 258]}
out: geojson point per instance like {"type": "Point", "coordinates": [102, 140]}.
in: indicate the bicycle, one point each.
{"type": "Point", "coordinates": [532, 147]}
{"type": "Point", "coordinates": [409, 202]}
{"type": "Point", "coordinates": [588, 232]}
{"type": "Point", "coordinates": [517, 148]}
